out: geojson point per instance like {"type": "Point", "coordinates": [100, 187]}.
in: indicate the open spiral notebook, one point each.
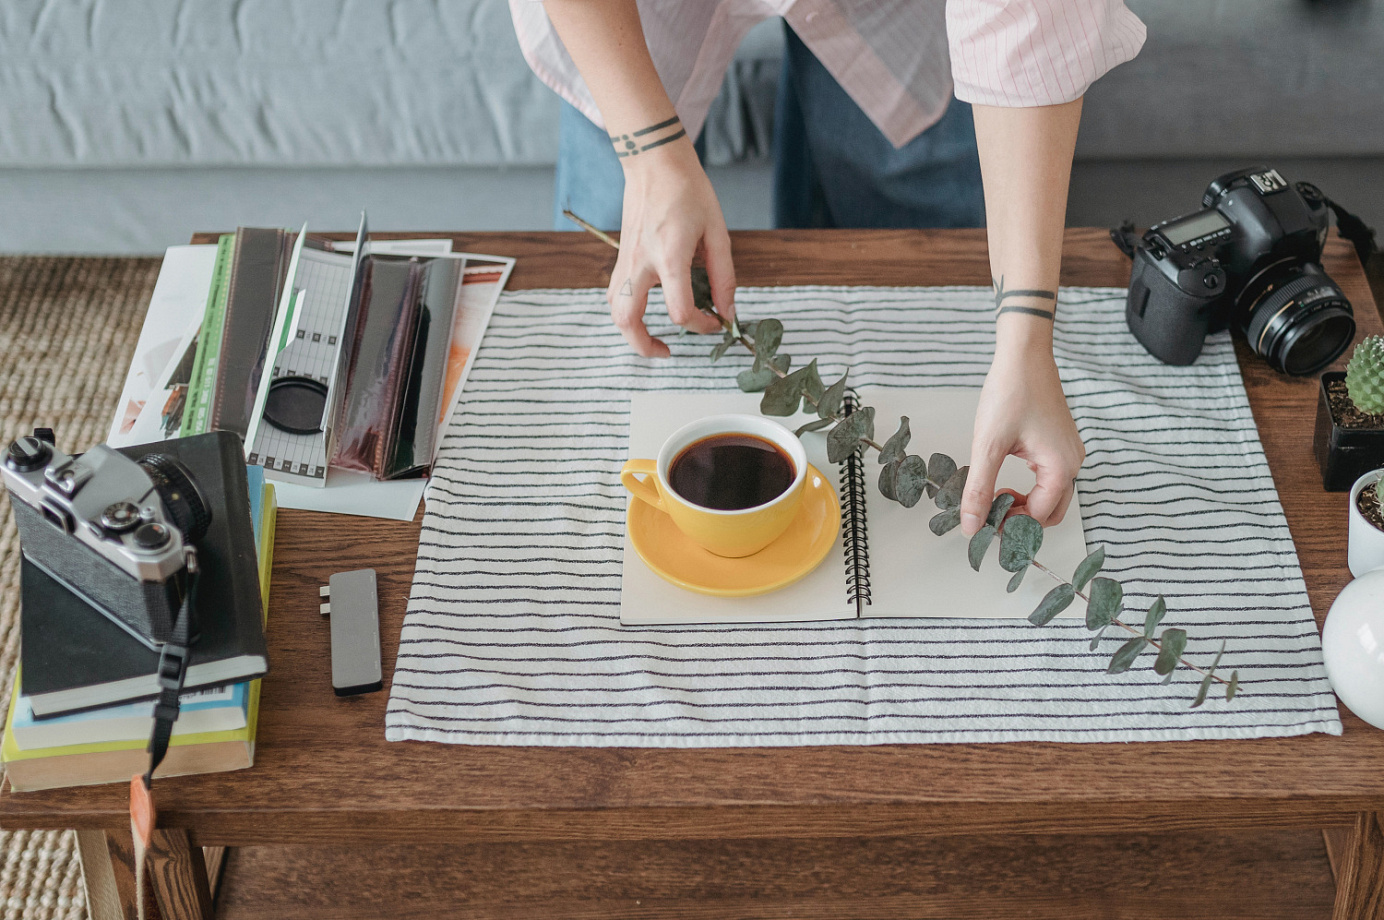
{"type": "Point", "coordinates": [886, 562]}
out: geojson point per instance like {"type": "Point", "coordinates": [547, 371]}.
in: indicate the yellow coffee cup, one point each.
{"type": "Point", "coordinates": [733, 533]}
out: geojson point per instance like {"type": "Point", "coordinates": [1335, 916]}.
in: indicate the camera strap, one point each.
{"type": "Point", "coordinates": [173, 661]}
{"type": "Point", "coordinates": [1351, 228]}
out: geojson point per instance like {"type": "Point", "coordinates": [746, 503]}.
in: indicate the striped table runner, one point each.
{"type": "Point", "coordinates": [512, 633]}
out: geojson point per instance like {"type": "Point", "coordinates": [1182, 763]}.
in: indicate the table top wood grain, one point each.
{"type": "Point", "coordinates": [323, 770]}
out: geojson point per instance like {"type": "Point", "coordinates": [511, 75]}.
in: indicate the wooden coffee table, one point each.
{"type": "Point", "coordinates": [333, 821]}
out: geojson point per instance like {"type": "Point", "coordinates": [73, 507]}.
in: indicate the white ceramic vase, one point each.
{"type": "Point", "coordinates": [1353, 646]}
{"type": "Point", "coordinates": [1365, 551]}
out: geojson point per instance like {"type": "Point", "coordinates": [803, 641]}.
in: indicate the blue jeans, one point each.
{"type": "Point", "coordinates": [832, 166]}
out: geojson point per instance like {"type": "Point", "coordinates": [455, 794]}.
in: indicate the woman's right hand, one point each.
{"type": "Point", "coordinates": [670, 216]}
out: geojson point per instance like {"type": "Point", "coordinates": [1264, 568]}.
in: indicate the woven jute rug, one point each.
{"type": "Point", "coordinates": [68, 328]}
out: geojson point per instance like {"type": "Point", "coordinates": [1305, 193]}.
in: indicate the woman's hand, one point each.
{"type": "Point", "coordinates": [670, 215]}
{"type": "Point", "coordinates": [1023, 412]}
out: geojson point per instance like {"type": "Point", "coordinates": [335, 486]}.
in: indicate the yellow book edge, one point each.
{"type": "Point", "coordinates": [10, 751]}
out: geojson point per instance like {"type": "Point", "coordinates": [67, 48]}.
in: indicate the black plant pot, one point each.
{"type": "Point", "coordinates": [1344, 454]}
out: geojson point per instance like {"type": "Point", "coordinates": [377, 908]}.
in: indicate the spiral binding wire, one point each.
{"type": "Point", "coordinates": [854, 533]}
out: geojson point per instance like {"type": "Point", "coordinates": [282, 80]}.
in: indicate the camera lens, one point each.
{"type": "Point", "coordinates": [1297, 320]}
{"type": "Point", "coordinates": [179, 494]}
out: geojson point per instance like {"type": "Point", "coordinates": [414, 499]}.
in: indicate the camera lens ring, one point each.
{"type": "Point", "coordinates": [179, 493]}
{"type": "Point", "coordinates": [1298, 320]}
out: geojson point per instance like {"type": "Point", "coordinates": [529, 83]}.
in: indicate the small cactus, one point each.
{"type": "Point", "coordinates": [1365, 375]}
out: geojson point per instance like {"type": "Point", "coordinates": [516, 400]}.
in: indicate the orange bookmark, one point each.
{"type": "Point", "coordinates": [142, 816]}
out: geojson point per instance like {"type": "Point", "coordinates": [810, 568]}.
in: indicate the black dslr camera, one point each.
{"type": "Point", "coordinates": [1249, 260]}
{"type": "Point", "coordinates": [118, 532]}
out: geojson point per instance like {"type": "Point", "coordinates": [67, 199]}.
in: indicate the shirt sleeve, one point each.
{"type": "Point", "coordinates": [1019, 53]}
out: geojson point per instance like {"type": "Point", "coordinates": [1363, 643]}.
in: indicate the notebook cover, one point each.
{"type": "Point", "coordinates": [258, 272]}
{"type": "Point", "coordinates": [67, 644]}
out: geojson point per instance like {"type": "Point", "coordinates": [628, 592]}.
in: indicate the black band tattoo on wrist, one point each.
{"type": "Point", "coordinates": [636, 142]}
{"type": "Point", "coordinates": [1001, 295]}
{"type": "Point", "coordinates": [1027, 311]}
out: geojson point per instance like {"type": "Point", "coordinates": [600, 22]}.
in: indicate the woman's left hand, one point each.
{"type": "Point", "coordinates": [1023, 412]}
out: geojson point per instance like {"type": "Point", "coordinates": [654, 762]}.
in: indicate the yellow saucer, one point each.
{"type": "Point", "coordinates": [676, 559]}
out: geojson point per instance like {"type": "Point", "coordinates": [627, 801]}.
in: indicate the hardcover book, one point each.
{"type": "Point", "coordinates": [75, 657]}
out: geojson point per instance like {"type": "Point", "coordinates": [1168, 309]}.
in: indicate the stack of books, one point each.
{"type": "Point", "coordinates": [76, 724]}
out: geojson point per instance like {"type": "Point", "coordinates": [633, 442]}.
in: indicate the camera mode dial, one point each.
{"type": "Point", "coordinates": [27, 454]}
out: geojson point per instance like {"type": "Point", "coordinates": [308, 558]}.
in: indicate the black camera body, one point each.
{"type": "Point", "coordinates": [1249, 260]}
{"type": "Point", "coordinates": [114, 530]}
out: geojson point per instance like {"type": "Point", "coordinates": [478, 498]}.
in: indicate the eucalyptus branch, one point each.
{"type": "Point", "coordinates": [906, 477]}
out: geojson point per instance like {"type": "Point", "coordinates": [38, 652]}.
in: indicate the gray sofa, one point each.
{"type": "Point", "coordinates": [124, 127]}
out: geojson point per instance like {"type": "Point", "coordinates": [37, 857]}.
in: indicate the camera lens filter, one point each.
{"type": "Point", "coordinates": [295, 405]}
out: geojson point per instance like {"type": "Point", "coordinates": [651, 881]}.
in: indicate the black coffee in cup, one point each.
{"type": "Point", "coordinates": [731, 472]}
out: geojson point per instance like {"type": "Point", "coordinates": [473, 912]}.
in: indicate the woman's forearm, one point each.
{"type": "Point", "coordinates": [670, 212]}
{"type": "Point", "coordinates": [1026, 164]}
{"type": "Point", "coordinates": [606, 42]}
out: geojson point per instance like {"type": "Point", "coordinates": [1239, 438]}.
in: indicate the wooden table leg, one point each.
{"type": "Point", "coordinates": [178, 872]}
{"type": "Point", "coordinates": [1360, 872]}
{"type": "Point", "coordinates": [108, 873]}
{"type": "Point", "coordinates": [215, 858]}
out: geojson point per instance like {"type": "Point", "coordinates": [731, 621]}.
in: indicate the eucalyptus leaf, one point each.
{"type": "Point", "coordinates": [1015, 581]}
{"type": "Point", "coordinates": [813, 390]}
{"type": "Point", "coordinates": [999, 508]}
{"type": "Point", "coordinates": [949, 496]}
{"type": "Point", "coordinates": [1019, 542]}
{"type": "Point", "coordinates": [1205, 686]}
{"type": "Point", "coordinates": [1155, 615]}
{"type": "Point", "coordinates": [1106, 595]}
{"type": "Point", "coordinates": [844, 439]}
{"type": "Point", "coordinates": [940, 468]}
{"type": "Point", "coordinates": [782, 395]}
{"type": "Point", "coordinates": [910, 480]}
{"type": "Point", "coordinates": [944, 522]}
{"type": "Point", "coordinates": [1095, 640]}
{"type": "Point", "coordinates": [895, 449]}
{"type": "Point", "coordinates": [1173, 642]}
{"type": "Point", "coordinates": [1088, 568]}
{"type": "Point", "coordinates": [887, 474]}
{"type": "Point", "coordinates": [1056, 601]}
{"type": "Point", "coordinates": [830, 403]}
{"type": "Point", "coordinates": [1125, 655]}
{"type": "Point", "coordinates": [758, 377]}
{"type": "Point", "coordinates": [721, 348]}
{"type": "Point", "coordinates": [1233, 686]}
{"type": "Point", "coordinates": [701, 290]}
{"type": "Point", "coordinates": [980, 542]}
{"type": "Point", "coordinates": [768, 335]}
{"type": "Point", "coordinates": [817, 424]}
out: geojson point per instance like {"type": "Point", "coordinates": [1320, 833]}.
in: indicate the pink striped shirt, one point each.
{"type": "Point", "coordinates": [900, 60]}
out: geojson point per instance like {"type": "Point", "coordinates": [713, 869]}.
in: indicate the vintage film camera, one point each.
{"type": "Point", "coordinates": [116, 531]}
{"type": "Point", "coordinates": [1249, 260]}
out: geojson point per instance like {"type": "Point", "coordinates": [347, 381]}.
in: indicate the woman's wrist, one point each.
{"type": "Point", "coordinates": [649, 138]}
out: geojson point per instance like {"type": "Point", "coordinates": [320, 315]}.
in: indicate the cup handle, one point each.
{"type": "Point", "coordinates": [645, 489]}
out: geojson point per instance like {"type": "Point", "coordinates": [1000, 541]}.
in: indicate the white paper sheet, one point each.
{"type": "Point", "coordinates": [175, 313]}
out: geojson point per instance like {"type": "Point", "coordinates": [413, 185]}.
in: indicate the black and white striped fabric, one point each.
{"type": "Point", "coordinates": [513, 637]}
